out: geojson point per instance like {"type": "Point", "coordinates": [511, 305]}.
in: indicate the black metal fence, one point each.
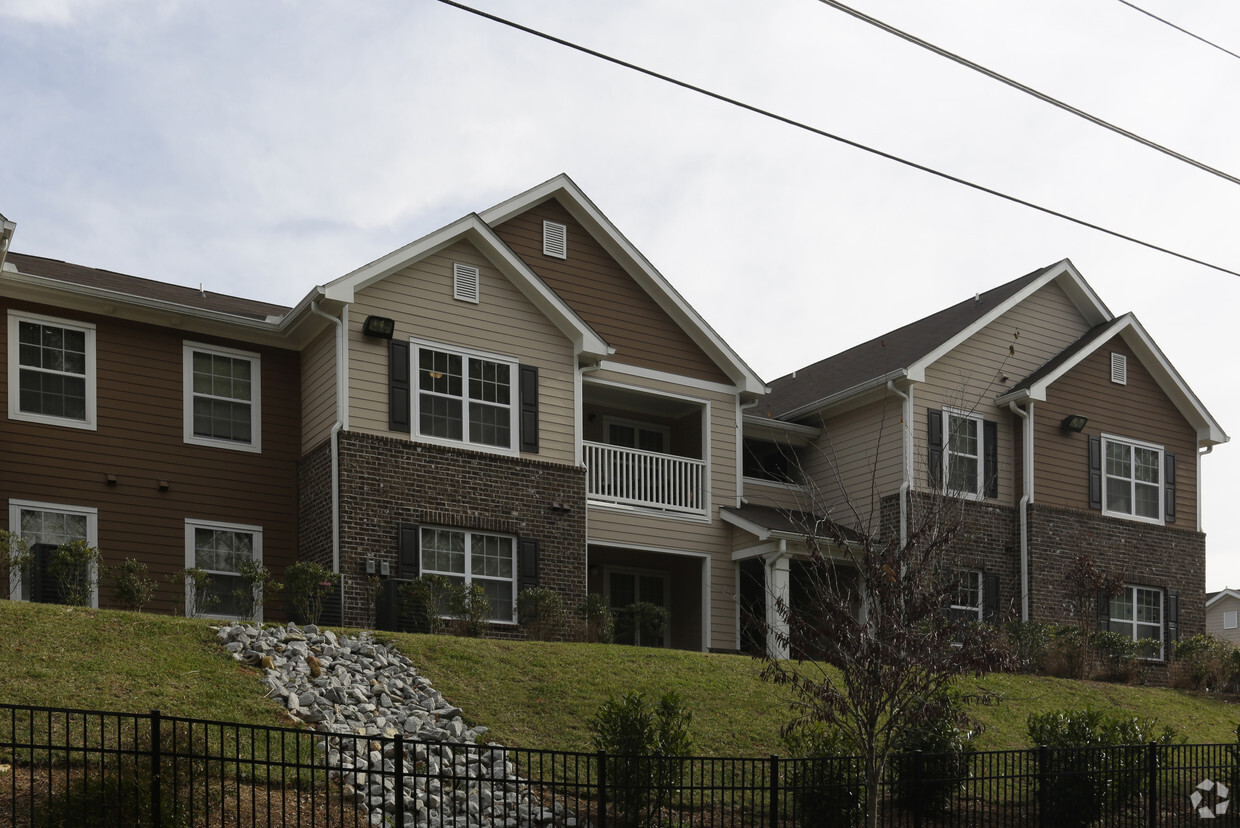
{"type": "Point", "coordinates": [81, 768]}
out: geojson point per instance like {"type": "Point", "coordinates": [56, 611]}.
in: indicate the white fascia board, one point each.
{"type": "Point", "coordinates": [473, 229]}
{"type": "Point", "coordinates": [1226, 593]}
{"type": "Point", "coordinates": [638, 267]}
{"type": "Point", "coordinates": [1079, 292]}
{"type": "Point", "coordinates": [759, 532]}
{"type": "Point", "coordinates": [847, 394]}
{"type": "Point", "coordinates": [772, 429]}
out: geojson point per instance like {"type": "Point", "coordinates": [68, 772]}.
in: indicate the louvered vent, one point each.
{"type": "Point", "coordinates": [555, 240]}
{"type": "Point", "coordinates": [1119, 369]}
{"type": "Point", "coordinates": [464, 282]}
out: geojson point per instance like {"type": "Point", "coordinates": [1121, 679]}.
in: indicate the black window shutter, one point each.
{"type": "Point", "coordinates": [527, 563]}
{"type": "Point", "coordinates": [398, 386]}
{"type": "Point", "coordinates": [934, 440]}
{"type": "Point", "coordinates": [990, 448]}
{"type": "Point", "coordinates": [1095, 472]}
{"type": "Point", "coordinates": [1169, 487]}
{"type": "Point", "coordinates": [1173, 617]}
{"type": "Point", "coordinates": [529, 408]}
{"type": "Point", "coordinates": [408, 561]}
{"type": "Point", "coordinates": [1104, 611]}
{"type": "Point", "coordinates": [990, 597]}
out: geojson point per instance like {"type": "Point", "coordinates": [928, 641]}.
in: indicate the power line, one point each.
{"type": "Point", "coordinates": [1179, 29]}
{"type": "Point", "coordinates": [1042, 96]}
{"type": "Point", "coordinates": [824, 134]}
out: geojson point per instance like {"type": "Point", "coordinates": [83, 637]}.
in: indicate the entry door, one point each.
{"type": "Point", "coordinates": [627, 588]}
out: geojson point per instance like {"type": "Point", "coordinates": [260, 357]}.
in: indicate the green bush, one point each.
{"type": "Point", "coordinates": [1210, 663]}
{"type": "Point", "coordinates": [430, 600]}
{"type": "Point", "coordinates": [825, 779]}
{"type": "Point", "coordinates": [197, 597]}
{"type": "Point", "coordinates": [599, 623]}
{"type": "Point", "coordinates": [641, 623]}
{"type": "Point", "coordinates": [308, 585]}
{"type": "Point", "coordinates": [1065, 655]}
{"type": "Point", "coordinates": [15, 559]}
{"type": "Point", "coordinates": [256, 580]}
{"type": "Point", "coordinates": [74, 568]}
{"type": "Point", "coordinates": [1029, 644]}
{"type": "Point", "coordinates": [945, 737]}
{"type": "Point", "coordinates": [541, 612]}
{"type": "Point", "coordinates": [473, 610]}
{"type": "Point", "coordinates": [646, 748]}
{"type": "Point", "coordinates": [1096, 762]}
{"type": "Point", "coordinates": [131, 586]}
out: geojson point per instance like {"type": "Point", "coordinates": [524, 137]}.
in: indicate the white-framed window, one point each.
{"type": "Point", "coordinates": [635, 434]}
{"type": "Point", "coordinates": [555, 239]}
{"type": "Point", "coordinates": [626, 587]}
{"type": "Point", "coordinates": [468, 558]}
{"type": "Point", "coordinates": [967, 601]}
{"type": "Point", "coordinates": [1132, 479]}
{"type": "Point", "coordinates": [223, 397]}
{"type": "Point", "coordinates": [963, 454]}
{"type": "Point", "coordinates": [217, 549]}
{"type": "Point", "coordinates": [464, 397]}
{"type": "Point", "coordinates": [1137, 613]}
{"type": "Point", "coordinates": [46, 525]}
{"type": "Point", "coordinates": [51, 370]}
{"type": "Point", "coordinates": [1229, 620]}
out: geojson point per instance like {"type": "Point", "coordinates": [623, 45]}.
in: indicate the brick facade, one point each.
{"type": "Point", "coordinates": [314, 505]}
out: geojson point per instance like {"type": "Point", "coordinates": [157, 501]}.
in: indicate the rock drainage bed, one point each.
{"type": "Point", "coordinates": [361, 694]}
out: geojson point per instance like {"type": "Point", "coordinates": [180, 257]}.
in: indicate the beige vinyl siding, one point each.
{"type": "Point", "coordinates": [856, 462]}
{"type": "Point", "coordinates": [503, 322]}
{"type": "Point", "coordinates": [971, 375]}
{"type": "Point", "coordinates": [606, 297]}
{"type": "Point", "coordinates": [1137, 411]}
{"type": "Point", "coordinates": [777, 495]}
{"type": "Point", "coordinates": [629, 528]}
{"type": "Point", "coordinates": [1214, 619]}
{"type": "Point", "coordinates": [318, 389]}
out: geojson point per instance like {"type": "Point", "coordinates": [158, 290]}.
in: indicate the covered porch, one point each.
{"type": "Point", "coordinates": [674, 581]}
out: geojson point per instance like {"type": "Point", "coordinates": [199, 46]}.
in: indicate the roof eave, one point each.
{"type": "Point", "coordinates": [839, 397]}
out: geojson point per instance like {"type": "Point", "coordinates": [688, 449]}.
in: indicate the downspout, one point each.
{"type": "Point", "coordinates": [1201, 527]}
{"type": "Point", "coordinates": [341, 414]}
{"type": "Point", "coordinates": [773, 619]}
{"type": "Point", "coordinates": [1025, 500]}
{"type": "Point", "coordinates": [906, 460]}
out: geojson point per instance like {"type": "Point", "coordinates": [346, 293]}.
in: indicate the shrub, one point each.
{"type": "Point", "coordinates": [600, 625]}
{"type": "Point", "coordinates": [473, 610]}
{"type": "Point", "coordinates": [1096, 770]}
{"type": "Point", "coordinates": [308, 586]}
{"type": "Point", "coordinates": [373, 587]}
{"type": "Point", "coordinates": [132, 587]}
{"type": "Point", "coordinates": [430, 600]}
{"type": "Point", "coordinates": [1029, 644]}
{"type": "Point", "coordinates": [642, 623]}
{"type": "Point", "coordinates": [196, 594]}
{"type": "Point", "coordinates": [256, 579]}
{"type": "Point", "coordinates": [74, 567]}
{"type": "Point", "coordinates": [945, 736]}
{"type": "Point", "coordinates": [827, 784]}
{"type": "Point", "coordinates": [646, 749]}
{"type": "Point", "coordinates": [1116, 655]}
{"type": "Point", "coordinates": [1210, 663]}
{"type": "Point", "coordinates": [541, 611]}
{"type": "Point", "coordinates": [1065, 656]}
{"type": "Point", "coordinates": [15, 560]}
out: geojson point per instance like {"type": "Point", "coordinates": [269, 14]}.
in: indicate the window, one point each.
{"type": "Point", "coordinates": [626, 588]}
{"type": "Point", "coordinates": [222, 397]}
{"type": "Point", "coordinates": [1132, 482]}
{"type": "Point", "coordinates": [962, 455]}
{"type": "Point", "coordinates": [218, 549]}
{"type": "Point", "coordinates": [769, 461]}
{"type": "Point", "coordinates": [474, 558]}
{"type": "Point", "coordinates": [967, 602]}
{"type": "Point", "coordinates": [555, 240]}
{"type": "Point", "coordinates": [1229, 620]}
{"type": "Point", "coordinates": [1137, 613]}
{"type": "Point", "coordinates": [44, 526]}
{"type": "Point", "coordinates": [637, 435]}
{"type": "Point", "coordinates": [465, 397]}
{"type": "Point", "coordinates": [51, 370]}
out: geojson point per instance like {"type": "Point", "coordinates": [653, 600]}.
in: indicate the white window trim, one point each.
{"type": "Point", "coordinates": [555, 239]}
{"type": "Point", "coordinates": [662, 575]}
{"type": "Point", "coordinates": [948, 414]}
{"type": "Point", "coordinates": [190, 525]}
{"type": "Point", "coordinates": [1130, 590]}
{"type": "Point", "coordinates": [1229, 619]}
{"type": "Point", "coordinates": [256, 397]}
{"type": "Point", "coordinates": [981, 593]}
{"type": "Point", "coordinates": [16, 507]}
{"type": "Point", "coordinates": [1162, 472]}
{"type": "Point", "coordinates": [15, 412]}
{"type": "Point", "coordinates": [468, 573]}
{"type": "Point", "coordinates": [514, 403]}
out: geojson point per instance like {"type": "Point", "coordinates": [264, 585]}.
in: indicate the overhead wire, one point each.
{"type": "Point", "coordinates": [824, 134]}
{"type": "Point", "coordinates": [1179, 28]}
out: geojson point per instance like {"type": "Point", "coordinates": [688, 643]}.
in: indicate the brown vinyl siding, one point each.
{"type": "Point", "coordinates": [318, 388]}
{"type": "Point", "coordinates": [140, 440]}
{"type": "Point", "coordinates": [606, 297]}
{"type": "Point", "coordinates": [1136, 411]}
{"type": "Point", "coordinates": [504, 323]}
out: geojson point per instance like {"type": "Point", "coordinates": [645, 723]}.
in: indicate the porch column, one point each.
{"type": "Point", "coordinates": [776, 588]}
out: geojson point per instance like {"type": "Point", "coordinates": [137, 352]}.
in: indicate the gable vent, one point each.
{"type": "Point", "coordinates": [464, 282]}
{"type": "Point", "coordinates": [555, 239]}
{"type": "Point", "coordinates": [1119, 369]}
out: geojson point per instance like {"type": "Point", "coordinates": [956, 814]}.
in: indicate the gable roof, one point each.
{"type": "Point", "coordinates": [565, 190]}
{"type": "Point", "coordinates": [907, 351]}
{"type": "Point", "coordinates": [1212, 597]}
{"type": "Point", "coordinates": [766, 522]}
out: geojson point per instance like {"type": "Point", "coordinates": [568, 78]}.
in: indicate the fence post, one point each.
{"type": "Point", "coordinates": [1151, 758]}
{"type": "Point", "coordinates": [1043, 779]}
{"type": "Point", "coordinates": [773, 805]}
{"type": "Point", "coordinates": [398, 760]}
{"type": "Point", "coordinates": [156, 765]}
{"type": "Point", "coordinates": [602, 789]}
{"type": "Point", "coordinates": [918, 788]}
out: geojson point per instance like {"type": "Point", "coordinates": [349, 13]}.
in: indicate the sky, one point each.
{"type": "Point", "coordinates": [260, 149]}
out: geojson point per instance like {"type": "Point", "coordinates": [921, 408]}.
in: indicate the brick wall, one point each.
{"type": "Point", "coordinates": [388, 481]}
{"type": "Point", "coordinates": [314, 505]}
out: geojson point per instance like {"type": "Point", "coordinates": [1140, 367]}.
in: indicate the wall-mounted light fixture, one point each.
{"type": "Point", "coordinates": [1074, 423]}
{"type": "Point", "coordinates": [378, 326]}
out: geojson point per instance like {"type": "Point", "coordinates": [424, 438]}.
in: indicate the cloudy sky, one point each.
{"type": "Point", "coordinates": [260, 148]}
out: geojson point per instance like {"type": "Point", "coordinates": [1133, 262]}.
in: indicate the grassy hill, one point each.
{"type": "Point", "coordinates": [530, 694]}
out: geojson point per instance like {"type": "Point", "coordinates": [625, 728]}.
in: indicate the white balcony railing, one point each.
{"type": "Point", "coordinates": [645, 478]}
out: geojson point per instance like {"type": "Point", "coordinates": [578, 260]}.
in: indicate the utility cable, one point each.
{"type": "Point", "coordinates": [824, 134]}
{"type": "Point", "coordinates": [1179, 28]}
{"type": "Point", "coordinates": [1042, 96]}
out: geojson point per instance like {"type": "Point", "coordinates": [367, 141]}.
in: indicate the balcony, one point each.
{"type": "Point", "coordinates": [645, 479]}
